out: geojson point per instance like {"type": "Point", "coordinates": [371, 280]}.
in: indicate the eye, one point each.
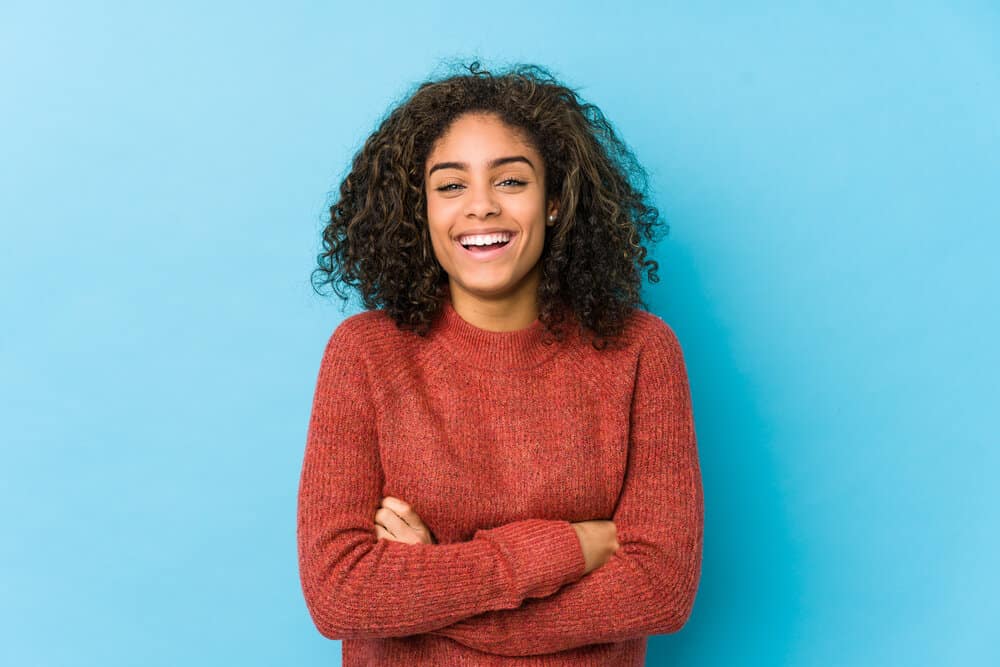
{"type": "Point", "coordinates": [448, 187]}
{"type": "Point", "coordinates": [512, 181]}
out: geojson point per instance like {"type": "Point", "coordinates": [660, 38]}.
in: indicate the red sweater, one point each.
{"type": "Point", "coordinates": [498, 441]}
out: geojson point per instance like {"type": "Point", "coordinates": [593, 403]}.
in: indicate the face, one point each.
{"type": "Point", "coordinates": [482, 177]}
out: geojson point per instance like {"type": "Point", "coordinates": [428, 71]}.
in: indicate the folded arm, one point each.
{"type": "Point", "coordinates": [356, 586]}
{"type": "Point", "coordinates": [649, 585]}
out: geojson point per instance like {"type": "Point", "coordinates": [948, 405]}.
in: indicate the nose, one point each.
{"type": "Point", "coordinates": [482, 202]}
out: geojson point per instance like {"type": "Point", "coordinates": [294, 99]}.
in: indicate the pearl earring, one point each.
{"type": "Point", "coordinates": [552, 218]}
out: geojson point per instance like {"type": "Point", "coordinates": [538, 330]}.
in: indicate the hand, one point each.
{"type": "Point", "coordinates": [395, 520]}
{"type": "Point", "coordinates": [599, 541]}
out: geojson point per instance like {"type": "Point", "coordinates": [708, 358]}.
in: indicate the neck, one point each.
{"type": "Point", "coordinates": [510, 312]}
{"type": "Point", "coordinates": [490, 351]}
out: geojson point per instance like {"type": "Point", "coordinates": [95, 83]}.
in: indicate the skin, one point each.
{"type": "Point", "coordinates": [467, 191]}
{"type": "Point", "coordinates": [470, 194]}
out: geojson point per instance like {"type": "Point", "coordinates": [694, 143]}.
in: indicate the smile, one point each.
{"type": "Point", "coordinates": [486, 252]}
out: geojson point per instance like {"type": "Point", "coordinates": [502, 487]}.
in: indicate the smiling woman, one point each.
{"type": "Point", "coordinates": [486, 213]}
{"type": "Point", "coordinates": [501, 457]}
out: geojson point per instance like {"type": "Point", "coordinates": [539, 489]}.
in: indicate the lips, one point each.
{"type": "Point", "coordinates": [485, 255]}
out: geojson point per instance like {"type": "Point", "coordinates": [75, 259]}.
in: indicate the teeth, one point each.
{"type": "Point", "coordinates": [484, 239]}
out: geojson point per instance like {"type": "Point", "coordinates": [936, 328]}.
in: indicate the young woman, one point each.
{"type": "Point", "coordinates": [501, 464]}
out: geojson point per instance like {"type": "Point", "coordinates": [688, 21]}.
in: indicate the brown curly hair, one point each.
{"type": "Point", "coordinates": [377, 237]}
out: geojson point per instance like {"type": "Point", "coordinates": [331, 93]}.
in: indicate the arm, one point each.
{"type": "Point", "coordinates": [356, 586]}
{"type": "Point", "coordinates": [649, 585]}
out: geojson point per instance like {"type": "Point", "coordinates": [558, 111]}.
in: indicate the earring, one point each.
{"type": "Point", "coordinates": [552, 218]}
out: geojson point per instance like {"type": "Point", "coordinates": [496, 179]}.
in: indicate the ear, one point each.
{"type": "Point", "coordinates": [553, 211]}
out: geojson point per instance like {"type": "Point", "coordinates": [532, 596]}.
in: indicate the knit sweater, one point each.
{"type": "Point", "coordinates": [498, 441]}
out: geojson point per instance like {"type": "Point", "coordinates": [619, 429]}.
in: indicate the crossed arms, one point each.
{"type": "Point", "coordinates": [519, 588]}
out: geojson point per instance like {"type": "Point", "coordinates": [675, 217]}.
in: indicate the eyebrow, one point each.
{"type": "Point", "coordinates": [493, 164]}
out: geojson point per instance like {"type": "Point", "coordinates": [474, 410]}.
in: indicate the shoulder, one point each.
{"type": "Point", "coordinates": [646, 346]}
{"type": "Point", "coordinates": [361, 326]}
{"type": "Point", "coordinates": [371, 335]}
{"type": "Point", "coordinates": [656, 346]}
{"type": "Point", "coordinates": [645, 330]}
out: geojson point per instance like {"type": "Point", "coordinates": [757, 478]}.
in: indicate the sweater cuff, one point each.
{"type": "Point", "coordinates": [539, 555]}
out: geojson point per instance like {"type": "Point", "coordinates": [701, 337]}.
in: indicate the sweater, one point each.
{"type": "Point", "coordinates": [498, 441]}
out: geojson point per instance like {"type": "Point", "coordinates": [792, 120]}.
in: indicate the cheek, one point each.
{"type": "Point", "coordinates": [438, 232]}
{"type": "Point", "coordinates": [439, 214]}
{"type": "Point", "coordinates": [528, 212]}
{"type": "Point", "coordinates": [433, 216]}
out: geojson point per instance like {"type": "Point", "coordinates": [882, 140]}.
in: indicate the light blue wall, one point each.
{"type": "Point", "coordinates": [829, 172]}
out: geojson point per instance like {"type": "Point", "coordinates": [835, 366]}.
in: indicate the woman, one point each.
{"type": "Point", "coordinates": [501, 458]}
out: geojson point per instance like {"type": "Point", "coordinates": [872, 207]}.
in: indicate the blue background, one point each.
{"type": "Point", "coordinates": [829, 172]}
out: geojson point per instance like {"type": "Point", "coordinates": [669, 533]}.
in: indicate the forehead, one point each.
{"type": "Point", "coordinates": [479, 135]}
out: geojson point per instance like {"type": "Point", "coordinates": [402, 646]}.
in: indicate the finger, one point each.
{"type": "Point", "coordinates": [398, 506]}
{"type": "Point", "coordinates": [395, 525]}
{"type": "Point", "coordinates": [402, 530]}
{"type": "Point", "coordinates": [404, 511]}
{"type": "Point", "coordinates": [382, 534]}
{"type": "Point", "coordinates": [381, 529]}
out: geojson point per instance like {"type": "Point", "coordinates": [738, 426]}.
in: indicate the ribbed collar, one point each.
{"type": "Point", "coordinates": [491, 350]}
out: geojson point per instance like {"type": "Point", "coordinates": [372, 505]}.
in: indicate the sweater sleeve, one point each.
{"type": "Point", "coordinates": [648, 586]}
{"type": "Point", "coordinates": [357, 586]}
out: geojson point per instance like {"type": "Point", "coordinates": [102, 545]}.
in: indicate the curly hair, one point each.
{"type": "Point", "coordinates": [377, 238]}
